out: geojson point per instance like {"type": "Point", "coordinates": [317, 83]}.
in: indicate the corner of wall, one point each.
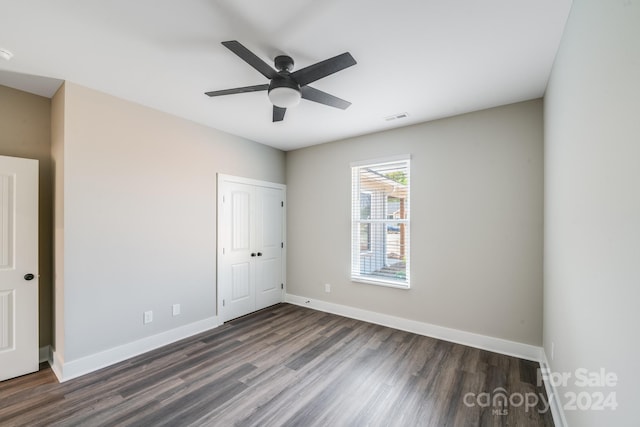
{"type": "Point", "coordinates": [57, 156]}
{"type": "Point", "coordinates": [553, 396]}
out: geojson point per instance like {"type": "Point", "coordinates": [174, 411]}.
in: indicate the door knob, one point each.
{"type": "Point", "coordinates": [259, 253]}
{"type": "Point", "coordinates": [253, 254]}
{"type": "Point", "coordinates": [29, 276]}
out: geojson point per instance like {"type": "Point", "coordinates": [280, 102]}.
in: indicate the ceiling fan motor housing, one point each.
{"type": "Point", "coordinates": [283, 81]}
{"type": "Point", "coordinates": [283, 63]}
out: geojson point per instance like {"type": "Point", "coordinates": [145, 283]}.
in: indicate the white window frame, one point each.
{"type": "Point", "coordinates": [356, 221]}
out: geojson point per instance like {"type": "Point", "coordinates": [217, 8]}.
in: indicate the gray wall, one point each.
{"type": "Point", "coordinates": [139, 217]}
{"type": "Point", "coordinates": [25, 123]}
{"type": "Point", "coordinates": [592, 205]}
{"type": "Point", "coordinates": [476, 232]}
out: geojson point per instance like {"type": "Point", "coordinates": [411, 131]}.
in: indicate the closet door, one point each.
{"type": "Point", "coordinates": [238, 268]}
{"type": "Point", "coordinates": [250, 245]}
{"type": "Point", "coordinates": [269, 210]}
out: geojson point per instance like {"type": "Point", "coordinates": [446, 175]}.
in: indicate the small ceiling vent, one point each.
{"type": "Point", "coordinates": [396, 117]}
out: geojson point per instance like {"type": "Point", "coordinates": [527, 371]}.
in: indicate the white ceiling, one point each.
{"type": "Point", "coordinates": [428, 58]}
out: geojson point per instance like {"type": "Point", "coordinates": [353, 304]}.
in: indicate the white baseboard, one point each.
{"type": "Point", "coordinates": [66, 371]}
{"type": "Point", "coordinates": [56, 365]}
{"type": "Point", "coordinates": [498, 345]}
{"type": "Point", "coordinates": [557, 410]}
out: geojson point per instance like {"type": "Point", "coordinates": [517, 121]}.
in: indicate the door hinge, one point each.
{"type": "Point", "coordinates": [223, 303]}
{"type": "Point", "coordinates": [222, 251]}
{"type": "Point", "coordinates": [282, 204]}
{"type": "Point", "coordinates": [281, 285]}
{"type": "Point", "coordinates": [282, 245]}
{"type": "Point", "coordinates": [223, 199]}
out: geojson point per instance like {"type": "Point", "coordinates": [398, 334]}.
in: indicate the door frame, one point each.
{"type": "Point", "coordinates": [221, 180]}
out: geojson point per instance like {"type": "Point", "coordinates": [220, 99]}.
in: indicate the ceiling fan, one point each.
{"type": "Point", "coordinates": [286, 88]}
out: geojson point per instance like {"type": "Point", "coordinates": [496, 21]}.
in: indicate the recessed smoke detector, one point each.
{"type": "Point", "coordinates": [5, 54]}
{"type": "Point", "coordinates": [396, 117]}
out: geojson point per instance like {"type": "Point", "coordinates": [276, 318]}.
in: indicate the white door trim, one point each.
{"type": "Point", "coordinates": [223, 178]}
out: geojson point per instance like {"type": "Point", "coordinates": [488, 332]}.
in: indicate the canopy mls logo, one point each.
{"type": "Point", "coordinates": [500, 400]}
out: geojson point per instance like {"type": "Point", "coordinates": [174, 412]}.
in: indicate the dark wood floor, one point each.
{"type": "Point", "coordinates": [287, 366]}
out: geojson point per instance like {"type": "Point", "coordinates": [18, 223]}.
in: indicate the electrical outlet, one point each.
{"type": "Point", "coordinates": [148, 317]}
{"type": "Point", "coordinates": [327, 287]}
{"type": "Point", "coordinates": [175, 309]}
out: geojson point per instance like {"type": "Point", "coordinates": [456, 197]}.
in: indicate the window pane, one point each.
{"type": "Point", "coordinates": [365, 206]}
{"type": "Point", "coordinates": [395, 250]}
{"type": "Point", "coordinates": [365, 237]}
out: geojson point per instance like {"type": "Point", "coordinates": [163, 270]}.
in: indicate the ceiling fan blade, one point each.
{"type": "Point", "coordinates": [250, 58]}
{"type": "Point", "coordinates": [278, 113]}
{"type": "Point", "coordinates": [322, 69]}
{"type": "Point", "coordinates": [321, 97]}
{"type": "Point", "coordinates": [255, 88]}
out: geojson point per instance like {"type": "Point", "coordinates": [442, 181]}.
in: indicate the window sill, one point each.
{"type": "Point", "coordinates": [385, 283]}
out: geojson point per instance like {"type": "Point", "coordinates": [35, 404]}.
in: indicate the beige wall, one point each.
{"type": "Point", "coordinates": [592, 208]}
{"type": "Point", "coordinates": [25, 125]}
{"type": "Point", "coordinates": [140, 217]}
{"type": "Point", "coordinates": [476, 208]}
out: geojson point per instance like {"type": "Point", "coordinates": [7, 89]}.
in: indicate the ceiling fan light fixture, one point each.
{"type": "Point", "coordinates": [284, 96]}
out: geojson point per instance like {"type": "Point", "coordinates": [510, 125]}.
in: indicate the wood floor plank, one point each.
{"type": "Point", "coordinates": [286, 366]}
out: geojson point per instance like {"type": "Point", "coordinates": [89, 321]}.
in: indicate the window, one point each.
{"type": "Point", "coordinates": [380, 222]}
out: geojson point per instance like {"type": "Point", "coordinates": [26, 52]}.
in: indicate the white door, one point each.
{"type": "Point", "coordinates": [269, 243]}
{"type": "Point", "coordinates": [238, 269]}
{"type": "Point", "coordinates": [18, 267]}
{"type": "Point", "coordinates": [250, 246]}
